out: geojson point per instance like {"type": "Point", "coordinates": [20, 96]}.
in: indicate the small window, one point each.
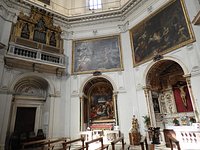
{"type": "Point", "coordinates": [95, 4]}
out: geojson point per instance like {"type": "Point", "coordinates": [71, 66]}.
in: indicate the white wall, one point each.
{"type": "Point", "coordinates": [64, 106]}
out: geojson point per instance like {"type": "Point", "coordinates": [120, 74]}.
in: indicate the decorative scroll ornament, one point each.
{"type": "Point", "coordinates": [157, 56]}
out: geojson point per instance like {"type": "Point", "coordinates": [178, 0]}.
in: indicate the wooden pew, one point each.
{"type": "Point", "coordinates": [68, 144]}
{"type": "Point", "coordinates": [173, 140]}
{"type": "Point", "coordinates": [50, 144]}
{"type": "Point", "coordinates": [36, 143]}
{"type": "Point", "coordinates": [143, 143]}
{"type": "Point", "coordinates": [123, 145]}
{"type": "Point", "coordinates": [102, 147]}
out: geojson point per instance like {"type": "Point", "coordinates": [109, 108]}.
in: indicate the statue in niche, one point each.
{"type": "Point", "coordinates": [25, 31]}
{"type": "Point", "coordinates": [40, 32]}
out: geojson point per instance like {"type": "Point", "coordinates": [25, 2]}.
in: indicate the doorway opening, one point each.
{"type": "Point", "coordinates": [27, 111]}
{"type": "Point", "coordinates": [25, 119]}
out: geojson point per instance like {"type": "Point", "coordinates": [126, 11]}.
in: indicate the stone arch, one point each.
{"type": "Point", "coordinates": [51, 88]}
{"type": "Point", "coordinates": [185, 69]}
{"type": "Point", "coordinates": [98, 87]}
{"type": "Point", "coordinates": [31, 86]}
{"type": "Point", "coordinates": [103, 76]}
{"type": "Point", "coordinates": [30, 92]}
{"type": "Point", "coordinates": [165, 80]}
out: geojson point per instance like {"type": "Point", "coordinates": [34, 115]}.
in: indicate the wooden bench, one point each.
{"type": "Point", "coordinates": [103, 146]}
{"type": "Point", "coordinates": [36, 143]}
{"type": "Point", "coordinates": [51, 143]}
{"type": "Point", "coordinates": [173, 140]}
{"type": "Point", "coordinates": [123, 144]}
{"type": "Point", "coordinates": [68, 144]}
{"type": "Point", "coordinates": [143, 143]}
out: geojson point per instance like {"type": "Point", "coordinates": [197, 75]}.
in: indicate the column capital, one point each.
{"type": "Point", "coordinates": [67, 35]}
{"type": "Point", "coordinates": [124, 27]}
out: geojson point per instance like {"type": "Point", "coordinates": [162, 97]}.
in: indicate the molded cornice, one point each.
{"type": "Point", "coordinates": [113, 15]}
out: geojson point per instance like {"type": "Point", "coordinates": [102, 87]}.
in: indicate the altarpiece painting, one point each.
{"type": "Point", "coordinates": [162, 32]}
{"type": "Point", "coordinates": [102, 54]}
{"type": "Point", "coordinates": [101, 104]}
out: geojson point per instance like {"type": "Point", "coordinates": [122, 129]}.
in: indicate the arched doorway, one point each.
{"type": "Point", "coordinates": [27, 110]}
{"type": "Point", "coordinates": [169, 95]}
{"type": "Point", "coordinates": [98, 104]}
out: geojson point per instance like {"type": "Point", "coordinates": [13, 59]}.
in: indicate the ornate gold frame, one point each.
{"type": "Point", "coordinates": [91, 41]}
{"type": "Point", "coordinates": [173, 47]}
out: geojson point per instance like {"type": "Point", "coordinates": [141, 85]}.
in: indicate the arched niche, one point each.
{"type": "Point", "coordinates": [28, 104]}
{"type": "Point", "coordinates": [31, 86]}
{"type": "Point", "coordinates": [168, 94]}
{"type": "Point", "coordinates": [98, 104]}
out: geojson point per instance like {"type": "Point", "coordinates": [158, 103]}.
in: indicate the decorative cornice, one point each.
{"type": "Point", "coordinates": [120, 14]}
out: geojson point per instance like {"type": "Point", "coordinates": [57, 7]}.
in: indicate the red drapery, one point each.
{"type": "Point", "coordinates": [179, 102]}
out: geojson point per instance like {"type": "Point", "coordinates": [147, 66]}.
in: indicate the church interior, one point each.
{"type": "Point", "coordinates": [99, 74]}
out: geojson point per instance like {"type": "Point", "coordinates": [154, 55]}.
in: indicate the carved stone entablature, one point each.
{"type": "Point", "coordinates": [77, 19]}
{"type": "Point", "coordinates": [38, 30]}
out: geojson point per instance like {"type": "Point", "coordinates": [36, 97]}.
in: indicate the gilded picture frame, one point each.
{"type": "Point", "coordinates": [102, 54]}
{"type": "Point", "coordinates": [164, 31]}
{"type": "Point", "coordinates": [102, 106]}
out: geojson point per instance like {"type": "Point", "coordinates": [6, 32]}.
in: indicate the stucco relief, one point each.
{"type": "Point", "coordinates": [32, 91]}
{"type": "Point", "coordinates": [163, 107]}
{"type": "Point", "coordinates": [167, 104]}
{"type": "Point", "coordinates": [169, 99]}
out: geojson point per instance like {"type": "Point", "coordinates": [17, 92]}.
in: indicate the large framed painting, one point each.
{"type": "Point", "coordinates": [102, 104]}
{"type": "Point", "coordinates": [165, 30]}
{"type": "Point", "coordinates": [99, 54]}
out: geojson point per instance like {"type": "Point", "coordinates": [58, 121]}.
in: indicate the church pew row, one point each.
{"type": "Point", "coordinates": [69, 144]}
{"type": "Point", "coordinates": [45, 144]}
{"type": "Point", "coordinates": [173, 140]}
{"type": "Point", "coordinates": [95, 142]}
{"type": "Point", "coordinates": [143, 143]}
{"type": "Point", "coordinates": [51, 144]}
{"type": "Point", "coordinates": [36, 143]}
{"type": "Point", "coordinates": [122, 144]}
